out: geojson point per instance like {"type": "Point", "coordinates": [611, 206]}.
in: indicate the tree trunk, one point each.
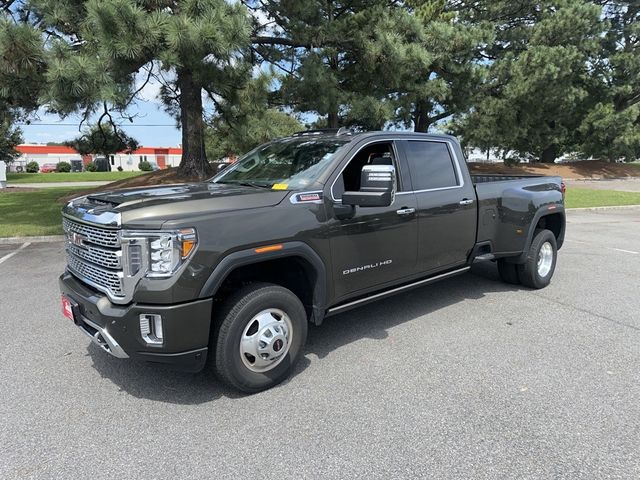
{"type": "Point", "coordinates": [194, 159]}
{"type": "Point", "coordinates": [549, 154]}
{"type": "Point", "coordinates": [332, 120]}
{"type": "Point", "coordinates": [421, 121]}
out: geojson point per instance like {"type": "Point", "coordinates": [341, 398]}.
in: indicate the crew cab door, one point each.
{"type": "Point", "coordinates": [447, 210]}
{"type": "Point", "coordinates": [371, 246]}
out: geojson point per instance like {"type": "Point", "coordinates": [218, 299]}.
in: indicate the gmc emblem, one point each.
{"type": "Point", "coordinates": [76, 239]}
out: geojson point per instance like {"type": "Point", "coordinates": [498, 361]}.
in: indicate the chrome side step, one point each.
{"type": "Point", "coordinates": [393, 291]}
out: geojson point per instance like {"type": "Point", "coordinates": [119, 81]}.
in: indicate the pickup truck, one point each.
{"type": "Point", "coordinates": [231, 271]}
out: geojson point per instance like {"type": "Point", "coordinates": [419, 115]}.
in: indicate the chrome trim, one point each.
{"type": "Point", "coordinates": [452, 152]}
{"type": "Point", "coordinates": [406, 211]}
{"type": "Point", "coordinates": [119, 248]}
{"type": "Point", "coordinates": [294, 200]}
{"type": "Point", "coordinates": [398, 289]}
{"type": "Point", "coordinates": [151, 333]}
{"type": "Point", "coordinates": [102, 338]}
{"type": "Point", "coordinates": [93, 214]}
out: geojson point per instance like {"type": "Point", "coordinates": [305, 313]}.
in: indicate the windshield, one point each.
{"type": "Point", "coordinates": [288, 164]}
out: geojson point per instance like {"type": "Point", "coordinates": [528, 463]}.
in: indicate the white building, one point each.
{"type": "Point", "coordinates": [163, 157]}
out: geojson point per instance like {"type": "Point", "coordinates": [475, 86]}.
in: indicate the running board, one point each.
{"type": "Point", "coordinates": [393, 291]}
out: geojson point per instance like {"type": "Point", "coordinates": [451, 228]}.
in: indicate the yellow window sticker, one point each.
{"type": "Point", "coordinates": [280, 186]}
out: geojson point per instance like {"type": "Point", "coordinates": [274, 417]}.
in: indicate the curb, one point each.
{"type": "Point", "coordinates": [595, 209]}
{"type": "Point", "coordinates": [40, 239]}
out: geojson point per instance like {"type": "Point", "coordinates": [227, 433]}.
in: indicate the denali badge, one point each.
{"type": "Point", "coordinates": [366, 267]}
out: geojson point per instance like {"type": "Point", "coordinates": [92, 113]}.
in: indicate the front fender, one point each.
{"type": "Point", "coordinates": [250, 256]}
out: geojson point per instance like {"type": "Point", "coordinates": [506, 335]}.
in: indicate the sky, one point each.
{"type": "Point", "coordinates": [164, 133]}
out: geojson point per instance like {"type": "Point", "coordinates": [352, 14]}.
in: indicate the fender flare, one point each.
{"type": "Point", "coordinates": [540, 213]}
{"type": "Point", "coordinates": [249, 256]}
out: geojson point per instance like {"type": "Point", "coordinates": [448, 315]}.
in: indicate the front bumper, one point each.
{"type": "Point", "coordinates": [116, 328]}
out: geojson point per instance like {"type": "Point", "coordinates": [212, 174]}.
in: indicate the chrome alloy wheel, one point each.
{"type": "Point", "coordinates": [266, 340]}
{"type": "Point", "coordinates": [545, 259]}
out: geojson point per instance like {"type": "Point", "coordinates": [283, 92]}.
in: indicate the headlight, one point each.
{"type": "Point", "coordinates": [167, 250]}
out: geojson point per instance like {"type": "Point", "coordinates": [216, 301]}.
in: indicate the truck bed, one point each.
{"type": "Point", "coordinates": [507, 203]}
{"type": "Point", "coordinates": [500, 178]}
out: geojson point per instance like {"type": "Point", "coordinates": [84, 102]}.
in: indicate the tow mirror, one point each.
{"type": "Point", "coordinates": [377, 187]}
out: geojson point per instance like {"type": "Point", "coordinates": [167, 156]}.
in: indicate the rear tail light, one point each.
{"type": "Point", "coordinates": [563, 188]}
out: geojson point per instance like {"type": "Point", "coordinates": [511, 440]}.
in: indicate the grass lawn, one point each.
{"type": "Point", "coordinates": [587, 197]}
{"type": "Point", "coordinates": [16, 178]}
{"type": "Point", "coordinates": [38, 212]}
{"type": "Point", "coordinates": [31, 213]}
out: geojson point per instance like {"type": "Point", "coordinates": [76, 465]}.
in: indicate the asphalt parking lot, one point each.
{"type": "Point", "coordinates": [469, 378]}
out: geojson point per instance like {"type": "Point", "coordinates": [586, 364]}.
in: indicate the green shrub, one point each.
{"type": "Point", "coordinates": [32, 167]}
{"type": "Point", "coordinates": [64, 167]}
{"type": "Point", "coordinates": [91, 167]}
{"type": "Point", "coordinates": [144, 166]}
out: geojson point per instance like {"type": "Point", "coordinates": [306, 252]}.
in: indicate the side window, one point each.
{"type": "Point", "coordinates": [431, 165]}
{"type": "Point", "coordinates": [374, 154]}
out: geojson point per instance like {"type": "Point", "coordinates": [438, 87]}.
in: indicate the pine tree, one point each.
{"type": "Point", "coordinates": [104, 140]}
{"type": "Point", "coordinates": [611, 129]}
{"type": "Point", "coordinates": [94, 50]}
{"type": "Point", "coordinates": [540, 83]}
{"type": "Point", "coordinates": [338, 59]}
{"type": "Point", "coordinates": [247, 119]}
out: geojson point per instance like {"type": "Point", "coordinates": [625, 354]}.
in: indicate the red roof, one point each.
{"type": "Point", "coordinates": [45, 149]}
{"type": "Point", "coordinates": [61, 149]}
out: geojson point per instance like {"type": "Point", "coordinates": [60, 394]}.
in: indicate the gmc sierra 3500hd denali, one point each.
{"type": "Point", "coordinates": [300, 228]}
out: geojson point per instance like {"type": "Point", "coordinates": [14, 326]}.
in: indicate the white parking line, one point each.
{"type": "Point", "coordinates": [608, 248]}
{"type": "Point", "coordinates": [624, 251]}
{"type": "Point", "coordinates": [9, 255]}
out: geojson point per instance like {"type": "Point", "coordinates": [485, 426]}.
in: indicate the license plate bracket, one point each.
{"type": "Point", "coordinates": [69, 308]}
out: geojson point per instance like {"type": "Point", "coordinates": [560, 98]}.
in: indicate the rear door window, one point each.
{"type": "Point", "coordinates": [431, 165]}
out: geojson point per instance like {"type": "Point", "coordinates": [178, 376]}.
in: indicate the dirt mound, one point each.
{"type": "Point", "coordinates": [574, 170]}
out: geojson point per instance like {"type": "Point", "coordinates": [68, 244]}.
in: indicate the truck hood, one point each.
{"type": "Point", "coordinates": [152, 206]}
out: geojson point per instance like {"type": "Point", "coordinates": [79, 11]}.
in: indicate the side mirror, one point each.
{"type": "Point", "coordinates": [377, 187]}
{"type": "Point", "coordinates": [222, 166]}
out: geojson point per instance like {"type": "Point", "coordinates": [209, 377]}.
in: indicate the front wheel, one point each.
{"type": "Point", "coordinates": [538, 268]}
{"type": "Point", "coordinates": [261, 334]}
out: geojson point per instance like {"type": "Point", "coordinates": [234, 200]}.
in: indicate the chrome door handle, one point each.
{"type": "Point", "coordinates": [406, 211]}
{"type": "Point", "coordinates": [466, 201]}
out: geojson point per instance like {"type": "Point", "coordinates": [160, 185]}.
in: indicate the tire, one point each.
{"type": "Point", "coordinates": [264, 319]}
{"type": "Point", "coordinates": [508, 272]}
{"type": "Point", "coordinates": [538, 268]}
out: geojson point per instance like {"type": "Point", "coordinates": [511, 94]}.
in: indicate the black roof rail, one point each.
{"type": "Point", "coordinates": [324, 131]}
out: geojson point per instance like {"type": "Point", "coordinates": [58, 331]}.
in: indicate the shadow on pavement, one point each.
{"type": "Point", "coordinates": [159, 383]}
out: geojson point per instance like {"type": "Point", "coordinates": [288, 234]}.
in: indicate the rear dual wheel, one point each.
{"type": "Point", "coordinates": [539, 264]}
{"type": "Point", "coordinates": [261, 332]}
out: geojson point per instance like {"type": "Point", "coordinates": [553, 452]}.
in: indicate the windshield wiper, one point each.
{"type": "Point", "coordinates": [246, 183]}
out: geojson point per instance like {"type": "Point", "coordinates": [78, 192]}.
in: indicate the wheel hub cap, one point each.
{"type": "Point", "coordinates": [545, 259]}
{"type": "Point", "coordinates": [266, 340]}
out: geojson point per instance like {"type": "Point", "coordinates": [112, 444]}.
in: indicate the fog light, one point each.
{"type": "Point", "coordinates": [151, 328]}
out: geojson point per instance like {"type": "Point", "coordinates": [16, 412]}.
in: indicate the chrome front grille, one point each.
{"type": "Point", "coordinates": [99, 256]}
{"type": "Point", "coordinates": [94, 256]}
{"type": "Point", "coordinates": [97, 235]}
{"type": "Point", "coordinates": [98, 277]}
